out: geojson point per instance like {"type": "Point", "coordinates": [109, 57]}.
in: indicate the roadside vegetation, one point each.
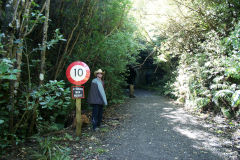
{"type": "Point", "coordinates": [38, 40]}
{"type": "Point", "coordinates": [197, 48]}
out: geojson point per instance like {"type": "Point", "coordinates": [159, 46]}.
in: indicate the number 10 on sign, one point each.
{"type": "Point", "coordinates": [78, 73]}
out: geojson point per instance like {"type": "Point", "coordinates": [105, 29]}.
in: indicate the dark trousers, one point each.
{"type": "Point", "coordinates": [97, 111]}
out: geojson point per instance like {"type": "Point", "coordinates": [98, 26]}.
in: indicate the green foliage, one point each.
{"type": "Point", "coordinates": [104, 37]}
{"type": "Point", "coordinates": [57, 37]}
{"type": "Point", "coordinates": [2, 51]}
{"type": "Point", "coordinates": [236, 98]}
{"type": "Point", "coordinates": [7, 72]}
{"type": "Point", "coordinates": [115, 59]}
{"type": "Point", "coordinates": [49, 101]}
{"type": "Point", "coordinates": [48, 150]}
{"type": "Point", "coordinates": [233, 47]}
{"type": "Point", "coordinates": [228, 101]}
{"type": "Point", "coordinates": [100, 150]}
{"type": "Point", "coordinates": [205, 40]}
{"type": "Point", "coordinates": [168, 87]}
{"type": "Point", "coordinates": [223, 94]}
{"type": "Point", "coordinates": [40, 109]}
{"type": "Point", "coordinates": [110, 44]}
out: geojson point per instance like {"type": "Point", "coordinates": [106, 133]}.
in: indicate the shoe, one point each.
{"type": "Point", "coordinates": [132, 96]}
{"type": "Point", "coordinates": [95, 129]}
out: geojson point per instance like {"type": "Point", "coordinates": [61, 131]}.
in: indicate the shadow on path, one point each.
{"type": "Point", "coordinates": [159, 130]}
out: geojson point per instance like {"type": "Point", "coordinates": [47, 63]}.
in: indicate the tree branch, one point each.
{"type": "Point", "coordinates": [30, 31]}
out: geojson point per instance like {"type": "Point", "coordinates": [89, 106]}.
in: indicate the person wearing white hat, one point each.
{"type": "Point", "coordinates": [97, 98]}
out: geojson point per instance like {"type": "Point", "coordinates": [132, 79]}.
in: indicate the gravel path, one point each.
{"type": "Point", "coordinates": [156, 129]}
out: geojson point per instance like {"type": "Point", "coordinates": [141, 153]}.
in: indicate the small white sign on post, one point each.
{"type": "Point", "coordinates": [77, 92]}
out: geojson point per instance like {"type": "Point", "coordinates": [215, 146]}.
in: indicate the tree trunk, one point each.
{"type": "Point", "coordinates": [44, 42]}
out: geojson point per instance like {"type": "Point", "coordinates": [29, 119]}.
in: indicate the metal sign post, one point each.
{"type": "Point", "coordinates": [78, 73]}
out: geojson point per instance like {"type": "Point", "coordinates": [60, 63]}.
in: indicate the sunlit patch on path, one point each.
{"type": "Point", "coordinates": [158, 129]}
{"type": "Point", "coordinates": [191, 128]}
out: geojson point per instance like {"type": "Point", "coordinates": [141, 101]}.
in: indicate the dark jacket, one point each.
{"type": "Point", "coordinates": [131, 75]}
{"type": "Point", "coordinates": [95, 96]}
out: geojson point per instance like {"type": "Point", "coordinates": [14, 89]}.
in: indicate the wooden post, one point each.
{"type": "Point", "coordinates": [78, 117]}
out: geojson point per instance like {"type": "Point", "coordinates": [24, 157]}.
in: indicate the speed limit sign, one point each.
{"type": "Point", "coordinates": [78, 73]}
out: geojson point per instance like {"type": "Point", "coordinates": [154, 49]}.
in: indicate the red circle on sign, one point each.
{"type": "Point", "coordinates": [78, 73]}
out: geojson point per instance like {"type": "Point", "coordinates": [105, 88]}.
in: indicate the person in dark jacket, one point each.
{"type": "Point", "coordinates": [131, 80]}
{"type": "Point", "coordinates": [97, 98]}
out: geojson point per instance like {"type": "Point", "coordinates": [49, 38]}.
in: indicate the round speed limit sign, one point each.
{"type": "Point", "coordinates": [78, 73]}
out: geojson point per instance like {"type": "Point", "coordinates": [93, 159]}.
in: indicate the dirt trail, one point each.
{"type": "Point", "coordinates": [156, 129]}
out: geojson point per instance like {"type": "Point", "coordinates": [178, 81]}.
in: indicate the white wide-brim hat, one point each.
{"type": "Point", "coordinates": [98, 71]}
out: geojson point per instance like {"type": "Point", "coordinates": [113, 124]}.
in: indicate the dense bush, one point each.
{"type": "Point", "coordinates": [204, 38]}
{"type": "Point", "coordinates": [45, 104]}
{"type": "Point", "coordinates": [37, 111]}
{"type": "Point", "coordinates": [99, 33]}
{"type": "Point", "coordinates": [7, 72]}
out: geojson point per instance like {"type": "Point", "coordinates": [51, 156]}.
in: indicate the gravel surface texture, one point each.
{"type": "Point", "coordinates": [158, 129]}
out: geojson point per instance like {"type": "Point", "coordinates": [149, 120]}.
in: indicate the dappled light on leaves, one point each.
{"type": "Point", "coordinates": [195, 44]}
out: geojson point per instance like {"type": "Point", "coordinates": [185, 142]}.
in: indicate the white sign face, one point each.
{"type": "Point", "coordinates": [78, 72]}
